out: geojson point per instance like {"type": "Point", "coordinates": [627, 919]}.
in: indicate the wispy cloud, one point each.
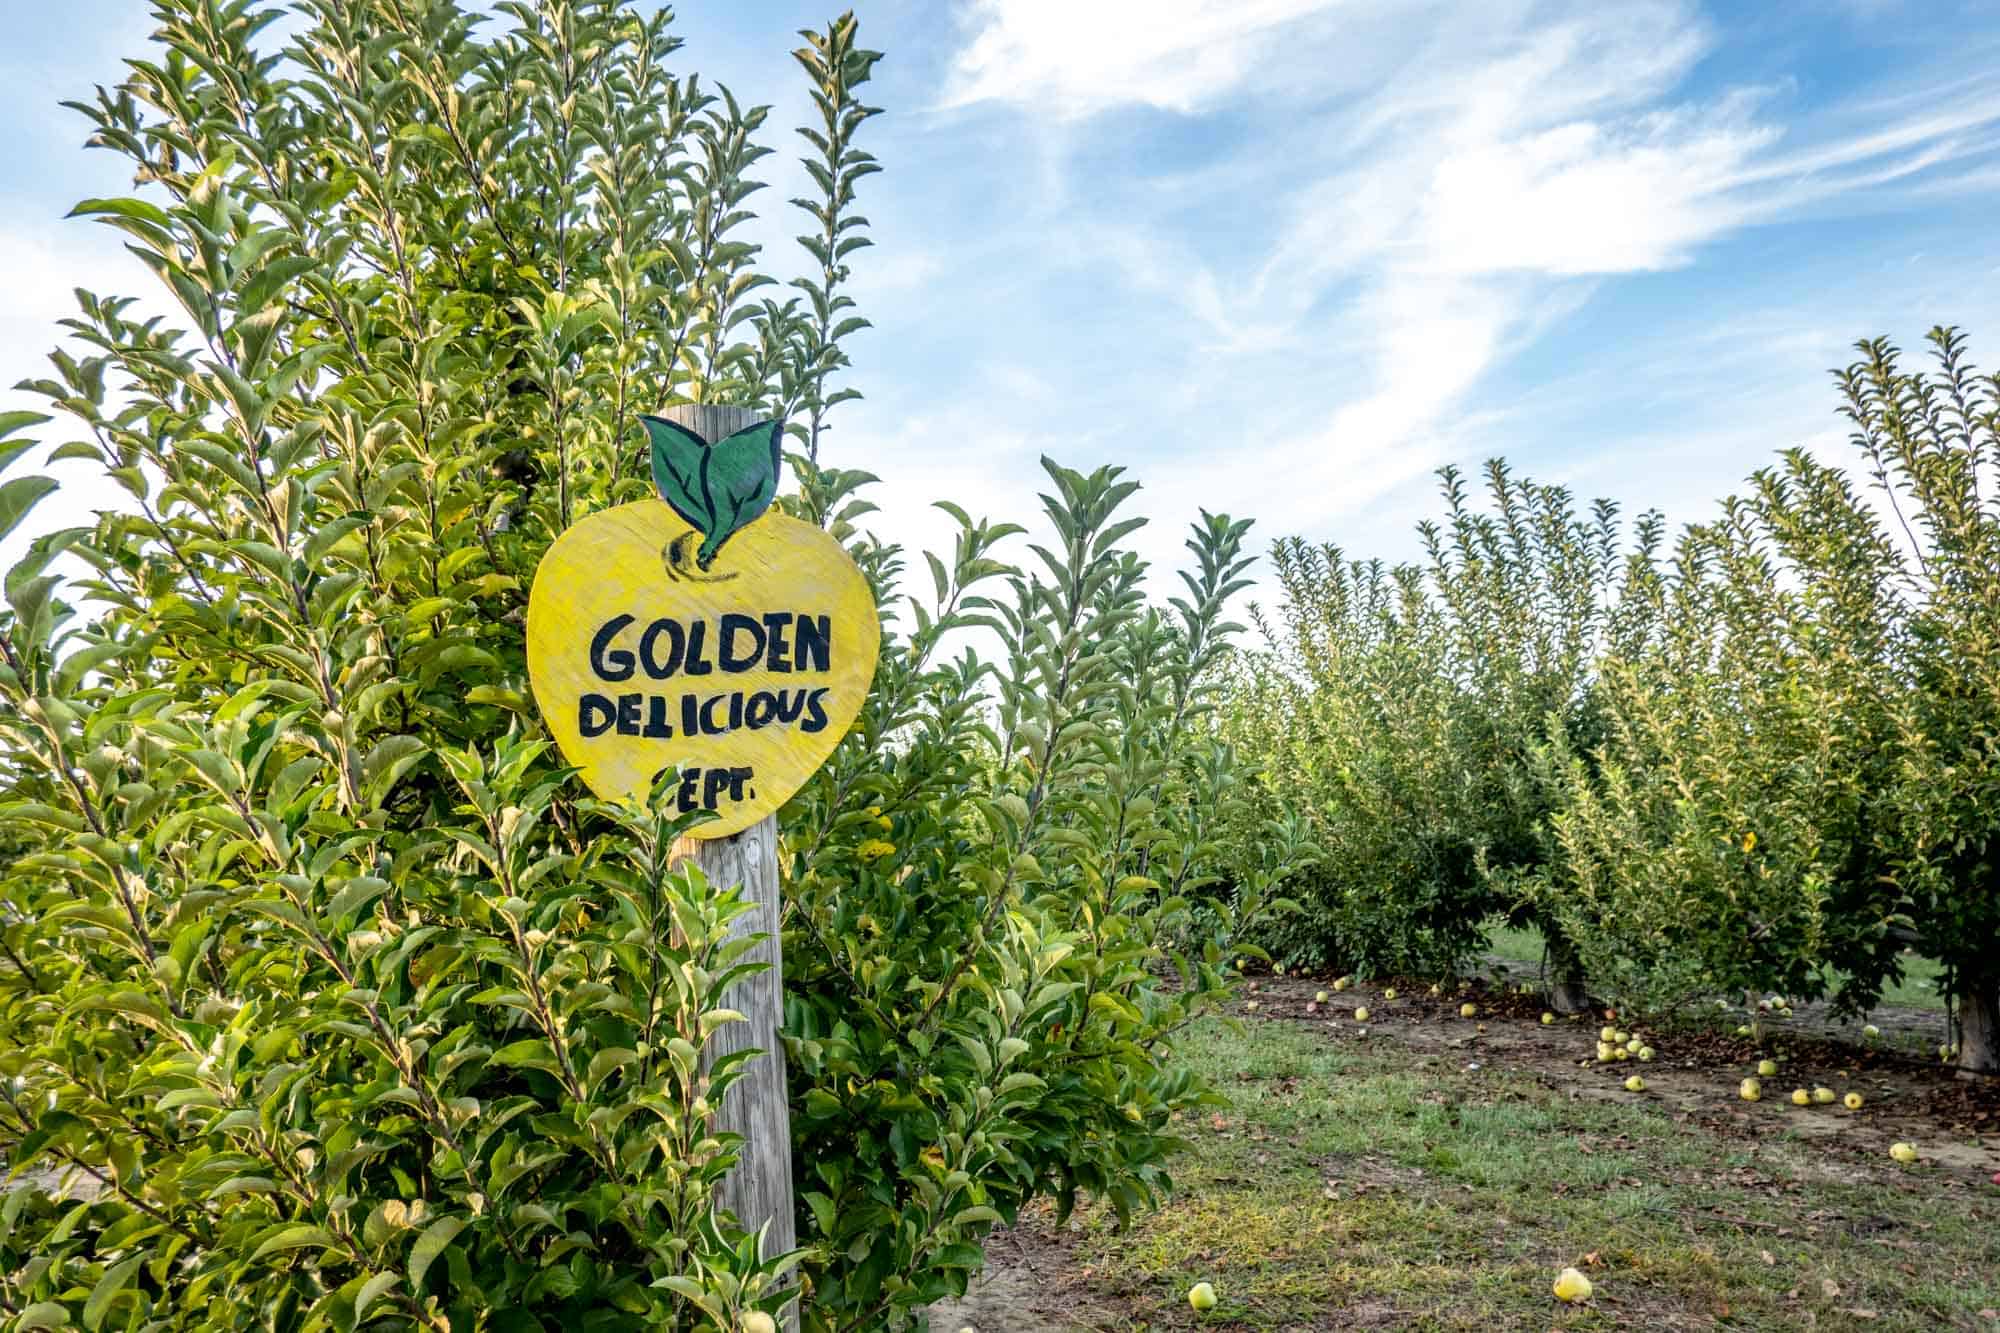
{"type": "Point", "coordinates": [1435, 205]}
{"type": "Point", "coordinates": [1076, 58]}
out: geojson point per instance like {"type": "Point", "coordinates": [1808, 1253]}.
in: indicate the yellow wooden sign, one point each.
{"type": "Point", "coordinates": [744, 669]}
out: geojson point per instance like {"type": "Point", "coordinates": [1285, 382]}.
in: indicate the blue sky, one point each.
{"type": "Point", "coordinates": [1285, 257]}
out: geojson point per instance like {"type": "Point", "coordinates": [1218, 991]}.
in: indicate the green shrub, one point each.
{"type": "Point", "coordinates": [327, 1000]}
{"type": "Point", "coordinates": [1800, 783]}
{"type": "Point", "coordinates": [1399, 710]}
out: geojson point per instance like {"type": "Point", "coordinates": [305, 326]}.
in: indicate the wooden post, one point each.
{"type": "Point", "coordinates": [759, 1190]}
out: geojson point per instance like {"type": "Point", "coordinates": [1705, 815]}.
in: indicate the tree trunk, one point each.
{"type": "Point", "coordinates": [1979, 1023]}
{"type": "Point", "coordinates": [1568, 991]}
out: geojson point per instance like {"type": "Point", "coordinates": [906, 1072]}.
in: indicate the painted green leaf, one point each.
{"type": "Point", "coordinates": [716, 487]}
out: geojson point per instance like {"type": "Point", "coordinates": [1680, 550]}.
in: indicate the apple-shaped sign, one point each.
{"type": "Point", "coordinates": [699, 630]}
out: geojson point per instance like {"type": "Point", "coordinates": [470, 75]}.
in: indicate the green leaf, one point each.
{"type": "Point", "coordinates": [115, 1279]}
{"type": "Point", "coordinates": [19, 496]}
{"type": "Point", "coordinates": [293, 1238]}
{"type": "Point", "coordinates": [13, 421]}
{"type": "Point", "coordinates": [717, 488]}
{"type": "Point", "coordinates": [430, 1245]}
{"type": "Point", "coordinates": [529, 1053]}
{"type": "Point", "coordinates": [372, 1290]}
{"type": "Point", "coordinates": [43, 1314]}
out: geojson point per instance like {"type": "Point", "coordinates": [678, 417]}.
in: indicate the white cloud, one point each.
{"type": "Point", "coordinates": [1426, 196]}
{"type": "Point", "coordinates": [1586, 198]}
{"type": "Point", "coordinates": [1079, 56]}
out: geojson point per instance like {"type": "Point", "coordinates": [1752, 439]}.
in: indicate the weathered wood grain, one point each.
{"type": "Point", "coordinates": [759, 1190]}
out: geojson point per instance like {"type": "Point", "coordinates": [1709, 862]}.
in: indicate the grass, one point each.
{"type": "Point", "coordinates": [1917, 990]}
{"type": "Point", "coordinates": [1373, 1184]}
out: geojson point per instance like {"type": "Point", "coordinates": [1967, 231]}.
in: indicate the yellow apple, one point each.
{"type": "Point", "coordinates": [1635, 1084]}
{"type": "Point", "coordinates": [1903, 1153]}
{"type": "Point", "coordinates": [1749, 1090]}
{"type": "Point", "coordinates": [1767, 1068]}
{"type": "Point", "coordinates": [1572, 1286]}
{"type": "Point", "coordinates": [1202, 1297]}
{"type": "Point", "coordinates": [1361, 1014]}
{"type": "Point", "coordinates": [1467, 1010]}
{"type": "Point", "coordinates": [1548, 1019]}
{"type": "Point", "coordinates": [1800, 1097]}
{"type": "Point", "coordinates": [1823, 1096]}
{"type": "Point", "coordinates": [1852, 1101]}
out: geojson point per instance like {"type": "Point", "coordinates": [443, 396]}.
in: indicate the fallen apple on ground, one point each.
{"type": "Point", "coordinates": [1389, 994]}
{"type": "Point", "coordinates": [1903, 1153]}
{"type": "Point", "coordinates": [1800, 1097]}
{"type": "Point", "coordinates": [1467, 1010]}
{"type": "Point", "coordinates": [1319, 998]}
{"type": "Point", "coordinates": [1571, 1286]}
{"type": "Point", "coordinates": [1202, 1297]}
{"type": "Point", "coordinates": [1852, 1101]}
{"type": "Point", "coordinates": [1749, 1090]}
{"type": "Point", "coordinates": [1361, 1014]}
{"type": "Point", "coordinates": [1824, 1096]}
{"type": "Point", "coordinates": [1635, 1084]}
{"type": "Point", "coordinates": [1645, 1052]}
{"type": "Point", "coordinates": [1767, 1068]}
{"type": "Point", "coordinates": [1548, 1019]}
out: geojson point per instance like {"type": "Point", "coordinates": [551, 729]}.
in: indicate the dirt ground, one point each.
{"type": "Point", "coordinates": [1037, 1282]}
